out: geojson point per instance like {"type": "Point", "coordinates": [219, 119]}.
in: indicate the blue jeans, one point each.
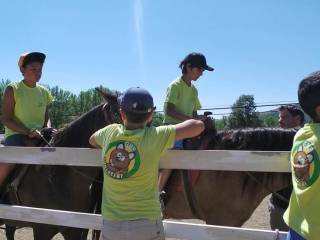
{"type": "Point", "coordinates": [15, 140]}
{"type": "Point", "coordinates": [292, 235]}
{"type": "Point", "coordinates": [178, 145]}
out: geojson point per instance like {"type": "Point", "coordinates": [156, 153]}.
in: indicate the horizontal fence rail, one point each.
{"type": "Point", "coordinates": [260, 161]}
{"type": "Point", "coordinates": [173, 159]}
{"type": "Point", "coordinates": [172, 229]}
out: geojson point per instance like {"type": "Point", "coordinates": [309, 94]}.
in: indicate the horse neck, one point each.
{"type": "Point", "coordinates": [78, 132]}
{"type": "Point", "coordinates": [264, 139]}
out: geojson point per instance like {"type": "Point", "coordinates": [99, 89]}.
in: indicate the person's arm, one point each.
{"type": "Point", "coordinates": [188, 129]}
{"type": "Point", "coordinates": [171, 111]}
{"type": "Point", "coordinates": [8, 113]}
{"type": "Point", "coordinates": [93, 142]}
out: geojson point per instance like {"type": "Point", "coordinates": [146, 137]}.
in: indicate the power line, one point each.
{"type": "Point", "coordinates": [239, 107]}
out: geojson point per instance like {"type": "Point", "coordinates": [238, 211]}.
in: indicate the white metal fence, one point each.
{"type": "Point", "coordinates": [174, 159]}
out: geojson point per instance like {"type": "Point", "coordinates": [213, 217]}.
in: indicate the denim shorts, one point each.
{"type": "Point", "coordinates": [15, 140]}
{"type": "Point", "coordinates": [292, 235]}
{"type": "Point", "coordinates": [140, 229]}
{"type": "Point", "coordinates": [178, 145]}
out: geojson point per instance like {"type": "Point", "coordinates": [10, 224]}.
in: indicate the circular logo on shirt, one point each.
{"type": "Point", "coordinates": [121, 160]}
{"type": "Point", "coordinates": [305, 163]}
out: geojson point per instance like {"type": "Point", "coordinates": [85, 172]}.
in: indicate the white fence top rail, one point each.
{"type": "Point", "coordinates": [173, 159]}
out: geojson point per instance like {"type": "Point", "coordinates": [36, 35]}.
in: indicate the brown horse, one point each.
{"type": "Point", "coordinates": [229, 197]}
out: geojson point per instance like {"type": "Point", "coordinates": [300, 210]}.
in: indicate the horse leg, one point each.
{"type": "Point", "coordinates": [95, 235]}
{"type": "Point", "coordinates": [44, 232]}
{"type": "Point", "coordinates": [10, 232]}
{"type": "Point", "coordinates": [75, 234]}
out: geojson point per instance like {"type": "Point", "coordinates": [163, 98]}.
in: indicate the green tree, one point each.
{"type": "Point", "coordinates": [68, 106]}
{"type": "Point", "coordinates": [62, 108]}
{"type": "Point", "coordinates": [270, 121]}
{"type": "Point", "coordinates": [3, 85]}
{"type": "Point", "coordinates": [244, 113]}
{"type": "Point", "coordinates": [221, 123]}
{"type": "Point", "coordinates": [157, 119]}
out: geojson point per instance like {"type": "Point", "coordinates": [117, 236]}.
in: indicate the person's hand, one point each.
{"type": "Point", "coordinates": [34, 133]}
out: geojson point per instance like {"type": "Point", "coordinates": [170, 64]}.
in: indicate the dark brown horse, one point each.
{"type": "Point", "coordinates": [229, 197]}
{"type": "Point", "coordinates": [64, 187]}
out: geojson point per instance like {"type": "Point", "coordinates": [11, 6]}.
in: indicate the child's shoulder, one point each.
{"type": "Point", "coordinates": [163, 129]}
{"type": "Point", "coordinates": [111, 127]}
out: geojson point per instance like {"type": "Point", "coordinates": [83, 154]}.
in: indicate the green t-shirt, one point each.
{"type": "Point", "coordinates": [131, 164]}
{"type": "Point", "coordinates": [303, 213]}
{"type": "Point", "coordinates": [184, 97]}
{"type": "Point", "coordinates": [30, 105]}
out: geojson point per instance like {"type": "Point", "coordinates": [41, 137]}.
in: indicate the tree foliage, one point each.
{"type": "Point", "coordinates": [66, 106]}
{"type": "Point", "coordinates": [244, 113]}
{"type": "Point", "coordinates": [157, 119]}
{"type": "Point", "coordinates": [3, 84]}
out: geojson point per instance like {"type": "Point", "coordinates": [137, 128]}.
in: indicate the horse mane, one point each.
{"type": "Point", "coordinates": [77, 132]}
{"type": "Point", "coordinates": [264, 139]}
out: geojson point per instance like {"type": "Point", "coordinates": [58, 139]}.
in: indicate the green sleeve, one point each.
{"type": "Point", "coordinates": [49, 98]}
{"type": "Point", "coordinates": [197, 104]}
{"type": "Point", "coordinates": [166, 137]}
{"type": "Point", "coordinates": [172, 94]}
{"type": "Point", "coordinates": [100, 136]}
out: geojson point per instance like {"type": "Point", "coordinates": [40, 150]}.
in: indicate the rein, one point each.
{"type": "Point", "coordinates": [256, 180]}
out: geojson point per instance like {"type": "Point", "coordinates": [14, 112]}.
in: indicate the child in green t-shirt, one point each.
{"type": "Point", "coordinates": [182, 100]}
{"type": "Point", "coordinates": [131, 152]}
{"type": "Point", "coordinates": [303, 213]}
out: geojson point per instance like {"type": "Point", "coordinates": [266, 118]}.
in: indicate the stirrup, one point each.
{"type": "Point", "coordinates": [162, 196]}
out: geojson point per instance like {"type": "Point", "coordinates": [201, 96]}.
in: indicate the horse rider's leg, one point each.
{"type": "Point", "coordinates": [5, 169]}
{"type": "Point", "coordinates": [164, 175]}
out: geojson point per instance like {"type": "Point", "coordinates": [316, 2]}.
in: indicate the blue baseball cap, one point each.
{"type": "Point", "coordinates": [137, 100]}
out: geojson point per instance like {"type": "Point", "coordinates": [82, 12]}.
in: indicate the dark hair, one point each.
{"type": "Point", "coordinates": [183, 66]}
{"type": "Point", "coordinates": [294, 111]}
{"type": "Point", "coordinates": [134, 117]}
{"type": "Point", "coordinates": [309, 94]}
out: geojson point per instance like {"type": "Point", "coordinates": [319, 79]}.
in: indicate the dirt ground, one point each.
{"type": "Point", "coordinates": [259, 220]}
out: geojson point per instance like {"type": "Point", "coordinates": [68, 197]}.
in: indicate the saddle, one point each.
{"type": "Point", "coordinates": [188, 178]}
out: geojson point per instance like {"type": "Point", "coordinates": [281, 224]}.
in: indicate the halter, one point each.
{"type": "Point", "coordinates": [109, 118]}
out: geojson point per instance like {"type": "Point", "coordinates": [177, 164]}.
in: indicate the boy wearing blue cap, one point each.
{"type": "Point", "coordinates": [303, 214]}
{"type": "Point", "coordinates": [131, 152]}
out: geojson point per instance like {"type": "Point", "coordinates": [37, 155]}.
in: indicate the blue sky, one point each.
{"type": "Point", "coordinates": [263, 48]}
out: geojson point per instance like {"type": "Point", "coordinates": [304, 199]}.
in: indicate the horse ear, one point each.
{"type": "Point", "coordinates": [108, 96]}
